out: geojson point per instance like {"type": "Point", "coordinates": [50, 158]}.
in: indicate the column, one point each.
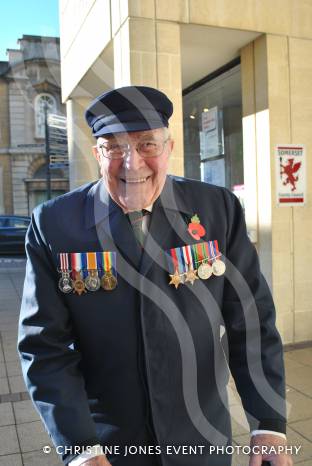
{"type": "Point", "coordinates": [147, 52]}
{"type": "Point", "coordinates": [83, 168]}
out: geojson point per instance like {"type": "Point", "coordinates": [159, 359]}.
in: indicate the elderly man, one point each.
{"type": "Point", "coordinates": [130, 282]}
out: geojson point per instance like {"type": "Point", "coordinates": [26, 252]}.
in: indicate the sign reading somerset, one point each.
{"type": "Point", "coordinates": [290, 174]}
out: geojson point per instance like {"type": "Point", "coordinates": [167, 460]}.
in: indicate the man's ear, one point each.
{"type": "Point", "coordinates": [95, 152]}
{"type": "Point", "coordinates": [171, 145]}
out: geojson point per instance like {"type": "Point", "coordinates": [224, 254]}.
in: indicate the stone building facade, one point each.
{"type": "Point", "coordinates": [174, 46]}
{"type": "Point", "coordinates": [29, 81]}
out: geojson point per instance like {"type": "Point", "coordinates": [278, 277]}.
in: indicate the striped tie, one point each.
{"type": "Point", "coordinates": [136, 219]}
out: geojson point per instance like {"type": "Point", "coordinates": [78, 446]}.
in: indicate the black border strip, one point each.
{"type": "Point", "coordinates": [236, 61]}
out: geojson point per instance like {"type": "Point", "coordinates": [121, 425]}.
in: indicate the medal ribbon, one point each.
{"type": "Point", "coordinates": [207, 255]}
{"type": "Point", "coordinates": [211, 251]}
{"type": "Point", "coordinates": [174, 260]}
{"type": "Point", "coordinates": [217, 249]}
{"type": "Point", "coordinates": [63, 262]}
{"type": "Point", "coordinates": [91, 261]}
{"type": "Point", "coordinates": [188, 257]}
{"type": "Point", "coordinates": [182, 264]}
{"type": "Point", "coordinates": [83, 256]}
{"type": "Point", "coordinates": [203, 252]}
{"type": "Point", "coordinates": [76, 261]}
{"type": "Point", "coordinates": [107, 261]}
{"type": "Point", "coordinates": [199, 253]}
{"type": "Point", "coordinates": [112, 256]}
{"type": "Point", "coordinates": [194, 255]}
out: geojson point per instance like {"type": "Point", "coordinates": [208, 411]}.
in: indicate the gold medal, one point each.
{"type": "Point", "coordinates": [191, 275]}
{"type": "Point", "coordinates": [218, 268]}
{"type": "Point", "coordinates": [108, 281]}
{"type": "Point", "coordinates": [79, 285]}
{"type": "Point", "coordinates": [176, 279]}
{"type": "Point", "coordinates": [204, 271]}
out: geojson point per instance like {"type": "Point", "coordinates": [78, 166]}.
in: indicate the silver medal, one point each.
{"type": "Point", "coordinates": [204, 271]}
{"type": "Point", "coordinates": [93, 282]}
{"type": "Point", "coordinates": [65, 283]}
{"type": "Point", "coordinates": [218, 268]}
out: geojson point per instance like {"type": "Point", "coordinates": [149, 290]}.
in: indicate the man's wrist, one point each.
{"type": "Point", "coordinates": [267, 432]}
{"type": "Point", "coordinates": [95, 450]}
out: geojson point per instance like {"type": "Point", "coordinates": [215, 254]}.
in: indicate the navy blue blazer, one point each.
{"type": "Point", "coordinates": [144, 364]}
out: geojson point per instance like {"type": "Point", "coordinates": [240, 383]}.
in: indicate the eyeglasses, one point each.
{"type": "Point", "coordinates": [146, 149]}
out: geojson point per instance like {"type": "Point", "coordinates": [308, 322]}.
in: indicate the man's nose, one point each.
{"type": "Point", "coordinates": [133, 160]}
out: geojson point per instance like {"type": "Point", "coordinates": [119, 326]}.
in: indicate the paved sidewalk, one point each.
{"type": "Point", "coordinates": [22, 435]}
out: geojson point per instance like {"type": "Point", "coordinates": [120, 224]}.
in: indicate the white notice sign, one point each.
{"type": "Point", "coordinates": [290, 170]}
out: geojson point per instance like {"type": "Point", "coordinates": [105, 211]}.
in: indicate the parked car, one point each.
{"type": "Point", "coordinates": [12, 234]}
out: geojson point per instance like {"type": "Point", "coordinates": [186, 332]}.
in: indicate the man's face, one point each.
{"type": "Point", "coordinates": [134, 182]}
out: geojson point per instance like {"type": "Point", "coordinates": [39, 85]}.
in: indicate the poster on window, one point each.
{"type": "Point", "coordinates": [290, 163]}
{"type": "Point", "coordinates": [213, 171]}
{"type": "Point", "coordinates": [211, 135]}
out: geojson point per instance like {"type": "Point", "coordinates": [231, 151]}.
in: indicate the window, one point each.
{"type": "Point", "coordinates": [213, 139]}
{"type": "Point", "coordinates": [41, 101]}
{"type": "Point", "coordinates": [16, 222]}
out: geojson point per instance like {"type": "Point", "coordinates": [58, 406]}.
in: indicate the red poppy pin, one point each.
{"type": "Point", "coordinates": [195, 229]}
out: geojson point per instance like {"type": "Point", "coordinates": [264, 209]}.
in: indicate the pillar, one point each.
{"type": "Point", "coordinates": [148, 52]}
{"type": "Point", "coordinates": [276, 83]}
{"type": "Point", "coordinates": [83, 168]}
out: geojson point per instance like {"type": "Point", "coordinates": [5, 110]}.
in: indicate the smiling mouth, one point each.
{"type": "Point", "coordinates": [135, 180]}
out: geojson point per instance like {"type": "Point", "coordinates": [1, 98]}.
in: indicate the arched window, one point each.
{"type": "Point", "coordinates": [41, 101]}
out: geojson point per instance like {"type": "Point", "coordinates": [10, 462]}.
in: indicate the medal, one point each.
{"type": "Point", "coordinates": [176, 263]}
{"type": "Point", "coordinates": [78, 283]}
{"type": "Point", "coordinates": [191, 276]}
{"type": "Point", "coordinates": [218, 266]}
{"type": "Point", "coordinates": [191, 272]}
{"type": "Point", "coordinates": [195, 229]}
{"type": "Point", "coordinates": [204, 270]}
{"type": "Point", "coordinates": [92, 282]}
{"type": "Point", "coordinates": [65, 283]}
{"type": "Point", "coordinates": [109, 279]}
{"type": "Point", "coordinates": [175, 279]}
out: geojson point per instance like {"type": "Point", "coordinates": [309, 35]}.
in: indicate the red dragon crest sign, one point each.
{"type": "Point", "coordinates": [290, 169]}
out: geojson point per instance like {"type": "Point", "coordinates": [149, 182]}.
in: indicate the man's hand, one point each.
{"type": "Point", "coordinates": [100, 460]}
{"type": "Point", "coordinates": [269, 440]}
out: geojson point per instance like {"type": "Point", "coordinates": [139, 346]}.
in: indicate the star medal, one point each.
{"type": "Point", "coordinates": [78, 283]}
{"type": "Point", "coordinates": [177, 263]}
{"type": "Point", "coordinates": [176, 279]}
{"type": "Point", "coordinates": [109, 279]}
{"type": "Point", "coordinates": [65, 283]}
{"type": "Point", "coordinates": [218, 266]}
{"type": "Point", "coordinates": [190, 273]}
{"type": "Point", "coordinates": [92, 281]}
{"type": "Point", "coordinates": [195, 229]}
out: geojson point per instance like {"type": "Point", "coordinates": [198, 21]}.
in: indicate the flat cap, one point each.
{"type": "Point", "coordinates": [130, 108]}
